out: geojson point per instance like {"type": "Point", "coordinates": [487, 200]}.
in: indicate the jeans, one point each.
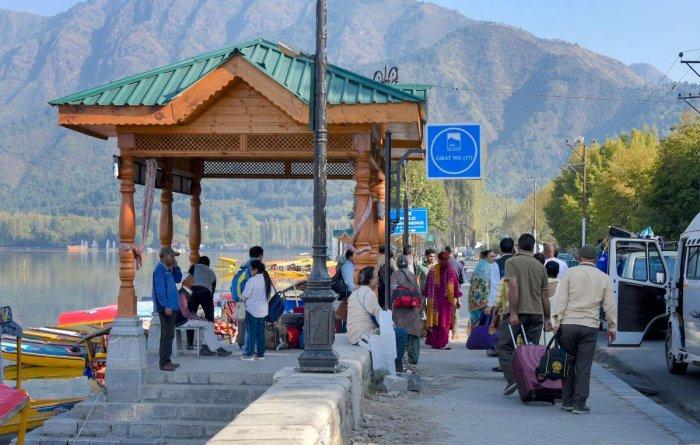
{"type": "Point", "coordinates": [532, 323]}
{"type": "Point", "coordinates": [401, 339]}
{"type": "Point", "coordinates": [167, 334]}
{"type": "Point", "coordinates": [254, 335]}
{"type": "Point", "coordinates": [201, 296]}
{"type": "Point", "coordinates": [579, 342]}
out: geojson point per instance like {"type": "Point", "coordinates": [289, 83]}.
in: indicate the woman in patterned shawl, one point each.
{"type": "Point", "coordinates": [441, 293]}
{"type": "Point", "coordinates": [479, 287]}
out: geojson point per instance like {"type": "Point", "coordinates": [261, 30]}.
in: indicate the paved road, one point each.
{"type": "Point", "coordinates": [645, 367]}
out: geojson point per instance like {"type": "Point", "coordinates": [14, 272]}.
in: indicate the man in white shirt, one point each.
{"type": "Point", "coordinates": [550, 254]}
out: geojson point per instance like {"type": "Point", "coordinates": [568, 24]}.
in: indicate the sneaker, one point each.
{"type": "Point", "coordinates": [584, 410]}
{"type": "Point", "coordinates": [221, 352]}
{"type": "Point", "coordinates": [167, 367]}
{"type": "Point", "coordinates": [567, 407]}
{"type": "Point", "coordinates": [259, 357]}
{"type": "Point", "coordinates": [247, 357]}
{"type": "Point", "coordinates": [204, 350]}
{"type": "Point", "coordinates": [510, 388]}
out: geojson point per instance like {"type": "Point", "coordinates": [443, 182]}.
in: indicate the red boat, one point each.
{"type": "Point", "coordinates": [96, 316]}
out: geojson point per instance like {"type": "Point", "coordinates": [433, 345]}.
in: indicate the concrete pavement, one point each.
{"type": "Point", "coordinates": [468, 407]}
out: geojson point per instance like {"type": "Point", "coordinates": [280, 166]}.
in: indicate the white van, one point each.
{"type": "Point", "coordinates": [683, 334]}
{"type": "Point", "coordinates": [639, 271]}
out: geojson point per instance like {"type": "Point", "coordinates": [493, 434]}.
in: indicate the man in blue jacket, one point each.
{"type": "Point", "coordinates": [165, 300]}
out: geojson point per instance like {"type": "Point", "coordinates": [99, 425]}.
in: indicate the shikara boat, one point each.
{"type": "Point", "coordinates": [38, 412]}
{"type": "Point", "coordinates": [41, 372]}
{"type": "Point", "coordinates": [98, 316]}
{"type": "Point", "coordinates": [42, 354]}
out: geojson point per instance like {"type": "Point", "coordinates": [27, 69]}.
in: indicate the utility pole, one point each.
{"type": "Point", "coordinates": [584, 179]}
{"type": "Point", "coordinates": [690, 96]}
{"type": "Point", "coordinates": [534, 207]}
{"type": "Point", "coordinates": [319, 331]}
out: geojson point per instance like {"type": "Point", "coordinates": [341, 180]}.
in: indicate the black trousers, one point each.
{"type": "Point", "coordinates": [201, 296]}
{"type": "Point", "coordinates": [532, 323]}
{"type": "Point", "coordinates": [167, 333]}
{"type": "Point", "coordinates": [579, 342]}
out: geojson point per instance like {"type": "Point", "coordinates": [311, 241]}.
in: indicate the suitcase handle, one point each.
{"type": "Point", "coordinates": [512, 337]}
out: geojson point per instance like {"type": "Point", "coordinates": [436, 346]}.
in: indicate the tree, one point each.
{"type": "Point", "coordinates": [427, 194]}
{"type": "Point", "coordinates": [673, 198]}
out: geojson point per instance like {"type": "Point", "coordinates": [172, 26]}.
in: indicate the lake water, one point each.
{"type": "Point", "coordinates": [39, 285]}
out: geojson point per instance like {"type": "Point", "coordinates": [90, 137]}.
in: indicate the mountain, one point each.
{"type": "Point", "coordinates": [530, 94]}
{"type": "Point", "coordinates": [649, 74]}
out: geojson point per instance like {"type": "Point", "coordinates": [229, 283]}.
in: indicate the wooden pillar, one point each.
{"type": "Point", "coordinates": [166, 204]}
{"type": "Point", "coordinates": [195, 234]}
{"type": "Point", "coordinates": [127, 234]}
{"type": "Point", "coordinates": [378, 194]}
{"type": "Point", "coordinates": [364, 236]}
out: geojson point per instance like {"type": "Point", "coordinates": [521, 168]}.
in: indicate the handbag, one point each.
{"type": "Point", "coordinates": [239, 311]}
{"type": "Point", "coordinates": [479, 337]}
{"type": "Point", "coordinates": [555, 363]}
{"type": "Point", "coordinates": [404, 297]}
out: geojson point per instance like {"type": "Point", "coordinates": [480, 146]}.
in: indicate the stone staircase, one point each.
{"type": "Point", "coordinates": [181, 407]}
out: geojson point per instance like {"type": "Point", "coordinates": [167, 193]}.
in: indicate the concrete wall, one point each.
{"type": "Point", "coordinates": [306, 408]}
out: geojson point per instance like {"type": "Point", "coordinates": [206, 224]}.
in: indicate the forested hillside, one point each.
{"type": "Point", "coordinates": [529, 94]}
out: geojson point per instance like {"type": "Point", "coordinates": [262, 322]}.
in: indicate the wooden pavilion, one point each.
{"type": "Point", "coordinates": [243, 112]}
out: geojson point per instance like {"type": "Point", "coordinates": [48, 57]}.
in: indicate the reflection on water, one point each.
{"type": "Point", "coordinates": [39, 285]}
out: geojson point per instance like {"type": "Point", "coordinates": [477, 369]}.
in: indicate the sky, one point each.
{"type": "Point", "coordinates": [649, 31]}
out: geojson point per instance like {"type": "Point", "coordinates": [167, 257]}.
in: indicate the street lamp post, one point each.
{"type": "Point", "coordinates": [319, 326]}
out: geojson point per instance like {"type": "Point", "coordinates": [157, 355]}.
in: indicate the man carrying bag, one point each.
{"type": "Point", "coordinates": [578, 300]}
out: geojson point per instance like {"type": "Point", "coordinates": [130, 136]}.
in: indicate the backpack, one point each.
{"type": "Point", "coordinates": [338, 285]}
{"type": "Point", "coordinates": [275, 308]}
{"type": "Point", "coordinates": [238, 282]}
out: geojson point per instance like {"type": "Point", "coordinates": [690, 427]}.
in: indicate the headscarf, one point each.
{"type": "Point", "coordinates": [437, 273]}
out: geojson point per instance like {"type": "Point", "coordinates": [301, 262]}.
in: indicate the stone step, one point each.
{"type": "Point", "coordinates": [156, 410]}
{"type": "Point", "coordinates": [243, 394]}
{"type": "Point", "coordinates": [66, 428]}
{"type": "Point", "coordinates": [235, 377]}
{"type": "Point", "coordinates": [34, 439]}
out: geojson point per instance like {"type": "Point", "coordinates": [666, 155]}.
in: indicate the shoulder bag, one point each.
{"type": "Point", "coordinates": [404, 297]}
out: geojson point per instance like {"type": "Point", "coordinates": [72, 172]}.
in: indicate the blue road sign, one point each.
{"type": "Point", "coordinates": [453, 151]}
{"type": "Point", "coordinates": [417, 221]}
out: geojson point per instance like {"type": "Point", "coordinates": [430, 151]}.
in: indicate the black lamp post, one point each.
{"type": "Point", "coordinates": [319, 323]}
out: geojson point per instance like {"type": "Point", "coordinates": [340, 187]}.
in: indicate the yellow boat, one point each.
{"type": "Point", "coordinates": [38, 412]}
{"type": "Point", "coordinates": [226, 262]}
{"type": "Point", "coordinates": [41, 372]}
{"type": "Point", "coordinates": [36, 354]}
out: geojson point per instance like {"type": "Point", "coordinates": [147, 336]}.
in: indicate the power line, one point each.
{"type": "Point", "coordinates": [550, 96]}
{"type": "Point", "coordinates": [631, 118]}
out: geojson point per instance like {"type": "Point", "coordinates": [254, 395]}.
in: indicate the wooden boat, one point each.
{"type": "Point", "coordinates": [41, 372]}
{"type": "Point", "coordinates": [225, 262]}
{"type": "Point", "coordinates": [38, 412]}
{"type": "Point", "coordinates": [98, 316]}
{"type": "Point", "coordinates": [52, 335]}
{"type": "Point", "coordinates": [43, 355]}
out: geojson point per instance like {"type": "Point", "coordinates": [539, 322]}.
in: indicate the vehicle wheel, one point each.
{"type": "Point", "coordinates": [673, 365]}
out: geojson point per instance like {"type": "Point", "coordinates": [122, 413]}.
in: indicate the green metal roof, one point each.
{"type": "Point", "coordinates": [292, 71]}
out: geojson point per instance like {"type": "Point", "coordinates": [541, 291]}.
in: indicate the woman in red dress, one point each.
{"type": "Point", "coordinates": [441, 292]}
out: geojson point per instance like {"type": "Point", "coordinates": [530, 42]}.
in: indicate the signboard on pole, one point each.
{"type": "Point", "coordinates": [453, 151]}
{"type": "Point", "coordinates": [417, 221]}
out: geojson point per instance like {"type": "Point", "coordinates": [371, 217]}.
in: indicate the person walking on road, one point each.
{"type": "Point", "coordinates": [479, 287]}
{"type": "Point", "coordinates": [579, 297]}
{"type": "Point", "coordinates": [429, 261]}
{"type": "Point", "coordinates": [458, 267]}
{"type": "Point", "coordinates": [528, 298]}
{"type": "Point", "coordinates": [408, 318]}
{"type": "Point", "coordinates": [442, 293]}
{"type": "Point", "coordinates": [498, 271]}
{"type": "Point", "coordinates": [551, 254]}
{"type": "Point", "coordinates": [408, 253]}
{"type": "Point", "coordinates": [165, 301]}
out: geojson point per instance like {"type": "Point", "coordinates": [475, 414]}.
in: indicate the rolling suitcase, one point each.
{"type": "Point", "coordinates": [525, 361]}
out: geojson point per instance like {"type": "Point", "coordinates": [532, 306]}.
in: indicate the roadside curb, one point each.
{"type": "Point", "coordinates": [682, 429]}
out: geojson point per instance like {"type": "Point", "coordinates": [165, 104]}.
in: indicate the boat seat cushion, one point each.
{"type": "Point", "coordinates": [11, 402]}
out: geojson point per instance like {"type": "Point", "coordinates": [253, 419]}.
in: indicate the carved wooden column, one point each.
{"type": "Point", "coordinates": [364, 236]}
{"type": "Point", "coordinates": [166, 204]}
{"type": "Point", "coordinates": [195, 235]}
{"type": "Point", "coordinates": [127, 234]}
{"type": "Point", "coordinates": [378, 194]}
